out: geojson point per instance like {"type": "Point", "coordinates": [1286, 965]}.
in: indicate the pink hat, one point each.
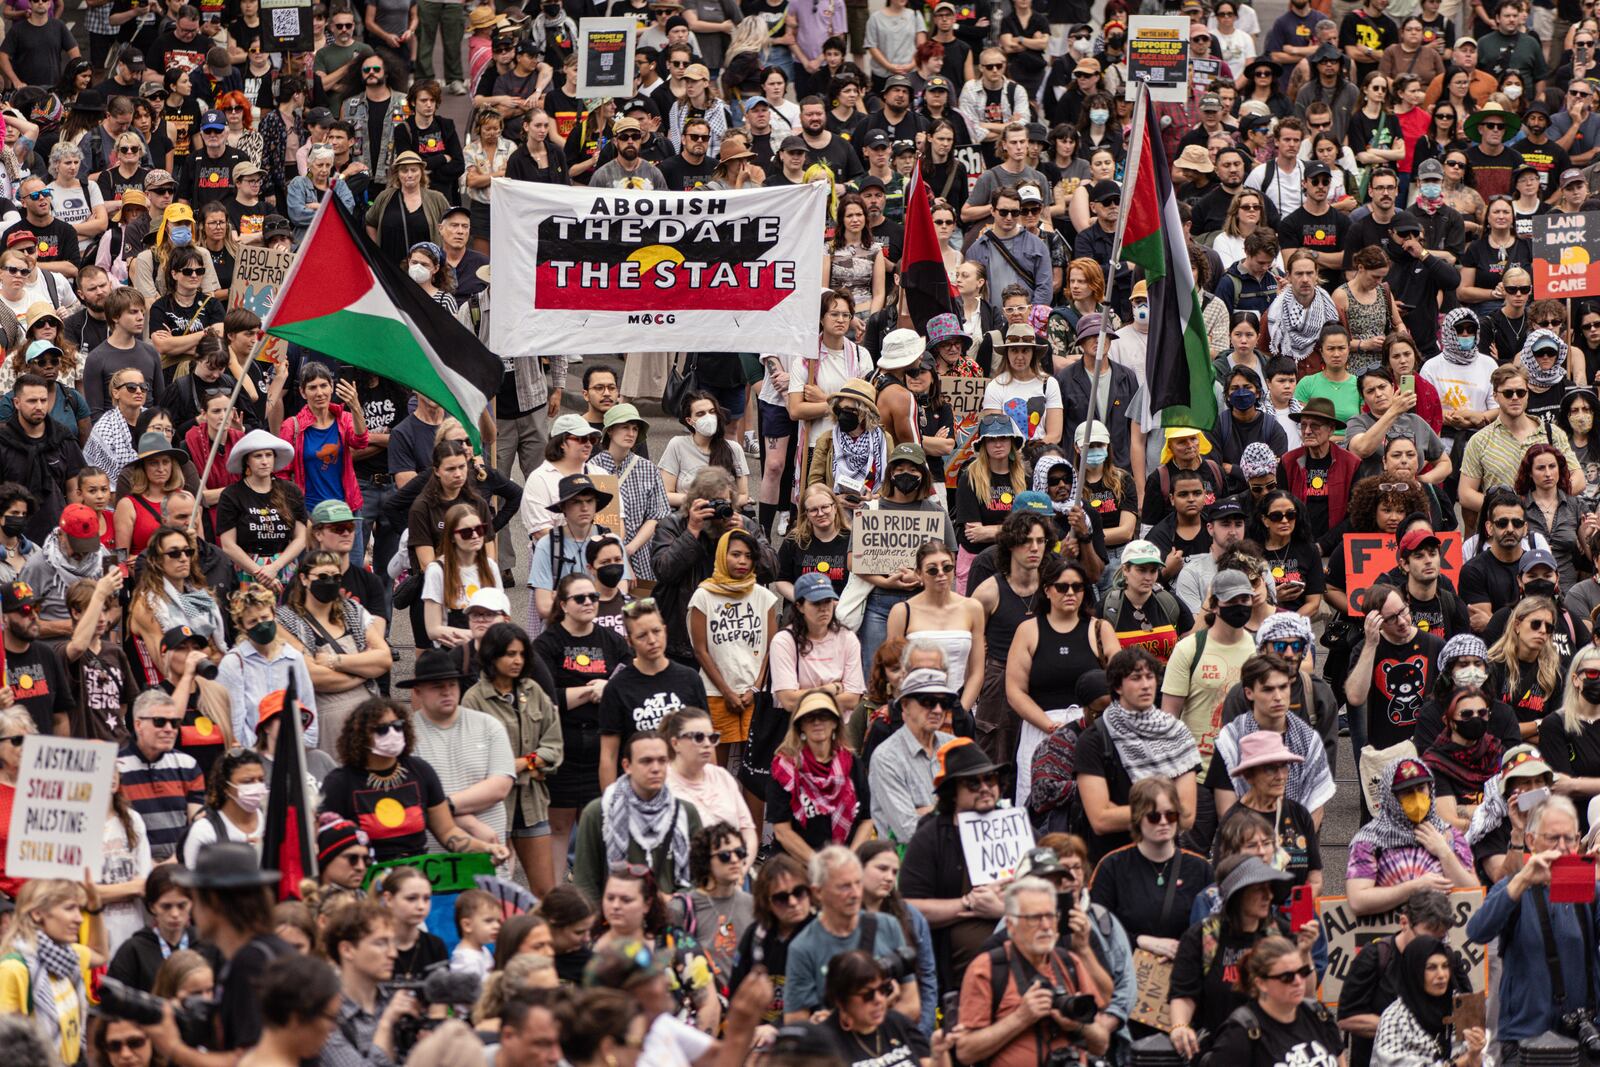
{"type": "Point", "coordinates": [1264, 748]}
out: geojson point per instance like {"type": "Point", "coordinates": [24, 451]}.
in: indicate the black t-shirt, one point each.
{"type": "Point", "coordinates": [1549, 159]}
{"type": "Point", "coordinates": [1571, 633]}
{"type": "Point", "coordinates": [400, 828]}
{"type": "Point", "coordinates": [112, 183]}
{"type": "Point", "coordinates": [1157, 503]}
{"type": "Point", "coordinates": [635, 701]}
{"type": "Point", "coordinates": [413, 962]}
{"type": "Point", "coordinates": [575, 662]}
{"type": "Point", "coordinates": [1528, 699]}
{"type": "Point", "coordinates": [986, 511]}
{"type": "Point", "coordinates": [246, 220]}
{"type": "Point", "coordinates": [1212, 988]}
{"type": "Point", "coordinates": [1443, 616]}
{"type": "Point", "coordinates": [1317, 471]}
{"type": "Point", "coordinates": [1502, 723]}
{"type": "Point", "coordinates": [897, 1042]}
{"type": "Point", "coordinates": [1492, 263]}
{"type": "Point", "coordinates": [1320, 233]}
{"type": "Point", "coordinates": [40, 684]}
{"type": "Point", "coordinates": [211, 177]}
{"type": "Point", "coordinates": [1487, 580]}
{"type": "Point", "coordinates": [1134, 889]}
{"type": "Point", "coordinates": [239, 984]}
{"type": "Point", "coordinates": [1568, 754]}
{"type": "Point", "coordinates": [1297, 830]}
{"type": "Point", "coordinates": [1310, 1041]}
{"type": "Point", "coordinates": [683, 176]}
{"type": "Point", "coordinates": [411, 444]}
{"type": "Point", "coordinates": [1376, 32]}
{"type": "Point", "coordinates": [1402, 676]}
{"type": "Point", "coordinates": [1368, 231]}
{"type": "Point", "coordinates": [822, 557]}
{"type": "Point", "coordinates": [181, 320]}
{"type": "Point", "coordinates": [383, 404]}
{"type": "Point", "coordinates": [1297, 562]}
{"type": "Point", "coordinates": [955, 62]}
{"type": "Point", "coordinates": [262, 530]}
{"type": "Point", "coordinates": [1491, 175]}
{"type": "Point", "coordinates": [367, 589]}
{"type": "Point", "coordinates": [169, 52]}
{"type": "Point", "coordinates": [105, 692]}
{"type": "Point", "coordinates": [1026, 64]}
{"type": "Point", "coordinates": [56, 240]}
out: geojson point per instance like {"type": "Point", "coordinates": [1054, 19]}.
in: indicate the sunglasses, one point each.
{"type": "Point", "coordinates": [995, 66]}
{"type": "Point", "coordinates": [1065, 588]}
{"type": "Point", "coordinates": [798, 893]}
{"type": "Point", "coordinates": [15, 739]}
{"type": "Point", "coordinates": [20, 272]}
{"type": "Point", "coordinates": [341, 527]}
{"type": "Point", "coordinates": [162, 722]}
{"type": "Point", "coordinates": [938, 569]}
{"type": "Point", "coordinates": [179, 553]}
{"type": "Point", "coordinates": [1509, 524]}
{"type": "Point", "coordinates": [978, 781]}
{"type": "Point", "coordinates": [1299, 974]}
{"type": "Point", "coordinates": [1280, 516]}
{"type": "Point", "coordinates": [873, 992]}
{"type": "Point", "coordinates": [1519, 290]}
{"type": "Point", "coordinates": [1514, 394]}
{"type": "Point", "coordinates": [1263, 490]}
{"type": "Point", "coordinates": [1491, 125]}
{"type": "Point", "coordinates": [372, 70]}
{"type": "Point", "coordinates": [133, 387]}
{"type": "Point", "coordinates": [191, 272]}
{"type": "Point", "coordinates": [131, 150]}
{"type": "Point", "coordinates": [629, 136]}
{"type": "Point", "coordinates": [1007, 212]}
{"type": "Point", "coordinates": [1464, 714]}
{"type": "Point", "coordinates": [585, 598]}
{"type": "Point", "coordinates": [1156, 818]}
{"type": "Point", "coordinates": [700, 737]}
{"type": "Point", "coordinates": [697, 137]}
{"type": "Point", "coordinates": [1281, 647]}
{"type": "Point", "coordinates": [1539, 626]}
{"type": "Point", "coordinates": [40, 194]}
{"type": "Point", "coordinates": [396, 727]}
{"type": "Point", "coordinates": [236, 107]}
{"type": "Point", "coordinates": [1543, 324]}
{"type": "Point", "coordinates": [730, 854]}
{"type": "Point", "coordinates": [128, 1044]}
{"type": "Point", "coordinates": [469, 532]}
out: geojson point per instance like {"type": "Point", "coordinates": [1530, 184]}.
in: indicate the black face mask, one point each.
{"type": "Point", "coordinates": [326, 589]}
{"type": "Point", "coordinates": [907, 482]}
{"type": "Point", "coordinates": [1472, 729]}
{"type": "Point", "coordinates": [609, 575]}
{"type": "Point", "coordinates": [550, 10]}
{"type": "Point", "coordinates": [1236, 615]}
{"type": "Point", "coordinates": [1539, 587]}
{"type": "Point", "coordinates": [13, 525]}
{"type": "Point", "coordinates": [263, 632]}
{"type": "Point", "coordinates": [849, 420]}
{"type": "Point", "coordinates": [1591, 692]}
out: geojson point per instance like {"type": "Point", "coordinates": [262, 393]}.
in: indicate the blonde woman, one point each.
{"type": "Point", "coordinates": [486, 154]}
{"type": "Point", "coordinates": [16, 723]}
{"type": "Point", "coordinates": [1577, 769]}
{"type": "Point", "coordinates": [985, 490]}
{"type": "Point", "coordinates": [818, 542]}
{"type": "Point", "coordinates": [1525, 666]}
{"type": "Point", "coordinates": [47, 977]}
{"type": "Point", "coordinates": [1245, 215]}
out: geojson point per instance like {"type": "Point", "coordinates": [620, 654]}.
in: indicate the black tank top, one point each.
{"type": "Point", "coordinates": [1061, 658]}
{"type": "Point", "coordinates": [1002, 625]}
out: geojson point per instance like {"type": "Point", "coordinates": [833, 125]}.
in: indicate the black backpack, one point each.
{"type": "Point", "coordinates": [217, 826]}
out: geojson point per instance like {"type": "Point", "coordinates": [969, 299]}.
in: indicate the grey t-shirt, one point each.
{"type": "Point", "coordinates": [720, 924]}
{"type": "Point", "coordinates": [393, 16]}
{"type": "Point", "coordinates": [105, 361]}
{"type": "Point", "coordinates": [895, 35]}
{"type": "Point", "coordinates": [806, 970]}
{"type": "Point", "coordinates": [994, 179]}
{"type": "Point", "coordinates": [1429, 445]}
{"type": "Point", "coordinates": [684, 460]}
{"type": "Point", "coordinates": [646, 176]}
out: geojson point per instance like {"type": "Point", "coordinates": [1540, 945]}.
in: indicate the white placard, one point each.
{"type": "Point", "coordinates": [994, 843]}
{"type": "Point", "coordinates": [605, 57]}
{"type": "Point", "coordinates": [58, 817]}
{"type": "Point", "coordinates": [1158, 53]}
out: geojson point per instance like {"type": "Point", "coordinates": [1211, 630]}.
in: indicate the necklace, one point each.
{"type": "Point", "coordinates": [380, 779]}
{"type": "Point", "coordinates": [875, 1049]}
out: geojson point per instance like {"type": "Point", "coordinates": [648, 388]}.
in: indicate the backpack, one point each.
{"type": "Point", "coordinates": [1111, 607]}
{"type": "Point", "coordinates": [1000, 970]}
{"type": "Point", "coordinates": [217, 826]}
{"type": "Point", "coordinates": [1245, 1016]}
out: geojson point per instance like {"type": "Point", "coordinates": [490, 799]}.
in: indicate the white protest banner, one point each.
{"type": "Point", "coordinates": [1158, 53]}
{"type": "Point", "coordinates": [585, 271]}
{"type": "Point", "coordinates": [994, 843]}
{"type": "Point", "coordinates": [881, 542]}
{"type": "Point", "coordinates": [1347, 932]}
{"type": "Point", "coordinates": [605, 57]}
{"type": "Point", "coordinates": [257, 275]}
{"type": "Point", "coordinates": [58, 815]}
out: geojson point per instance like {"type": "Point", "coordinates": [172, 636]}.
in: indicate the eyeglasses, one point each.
{"type": "Point", "coordinates": [1509, 524]}
{"type": "Point", "coordinates": [190, 272]}
{"type": "Point", "coordinates": [1156, 818]}
{"type": "Point", "coordinates": [730, 854]}
{"type": "Point", "coordinates": [1280, 516]}
{"type": "Point", "coordinates": [700, 737]}
{"type": "Point", "coordinates": [1540, 626]}
{"type": "Point", "coordinates": [396, 727]}
{"type": "Point", "coordinates": [1281, 647]}
{"type": "Point", "coordinates": [1068, 588]}
{"type": "Point", "coordinates": [161, 722]}
{"type": "Point", "coordinates": [1514, 394]}
{"type": "Point", "coordinates": [873, 992]}
{"type": "Point", "coordinates": [1299, 974]}
{"type": "Point", "coordinates": [129, 1044]}
{"type": "Point", "coordinates": [798, 893]}
{"type": "Point", "coordinates": [1463, 714]}
{"type": "Point", "coordinates": [584, 598]}
{"type": "Point", "coordinates": [179, 553]}
{"type": "Point", "coordinates": [20, 272]}
{"type": "Point", "coordinates": [1038, 917]}
{"type": "Point", "coordinates": [939, 568]}
{"type": "Point", "coordinates": [1519, 290]}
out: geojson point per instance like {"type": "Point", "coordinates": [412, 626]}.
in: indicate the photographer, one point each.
{"type": "Point", "coordinates": [359, 939]}
{"type": "Point", "coordinates": [1540, 990]}
{"type": "Point", "coordinates": [1018, 1016]}
{"type": "Point", "coordinates": [863, 1025]}
{"type": "Point", "coordinates": [233, 911]}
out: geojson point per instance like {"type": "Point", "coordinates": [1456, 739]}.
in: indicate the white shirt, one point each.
{"type": "Point", "coordinates": [1284, 189]}
{"type": "Point", "coordinates": [1461, 388]}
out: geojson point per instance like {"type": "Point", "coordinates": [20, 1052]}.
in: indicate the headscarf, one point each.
{"type": "Point", "coordinates": [1391, 828]}
{"type": "Point", "coordinates": [629, 818]}
{"type": "Point", "coordinates": [1471, 765]}
{"type": "Point", "coordinates": [1041, 480]}
{"type": "Point", "coordinates": [1429, 1011]}
{"type": "Point", "coordinates": [1536, 374]}
{"type": "Point", "coordinates": [1296, 328]}
{"type": "Point", "coordinates": [1447, 332]}
{"type": "Point", "coordinates": [721, 582]}
{"type": "Point", "coordinates": [1151, 742]}
{"type": "Point", "coordinates": [1257, 459]}
{"type": "Point", "coordinates": [1461, 645]}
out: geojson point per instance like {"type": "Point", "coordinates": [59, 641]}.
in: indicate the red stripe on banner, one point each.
{"type": "Point", "coordinates": [693, 287]}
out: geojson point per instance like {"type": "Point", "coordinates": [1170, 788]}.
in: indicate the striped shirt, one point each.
{"type": "Point", "coordinates": [161, 792]}
{"type": "Point", "coordinates": [644, 497]}
{"type": "Point", "coordinates": [470, 750]}
{"type": "Point", "coordinates": [1494, 453]}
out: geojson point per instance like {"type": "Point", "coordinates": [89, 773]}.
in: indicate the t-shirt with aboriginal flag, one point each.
{"type": "Point", "coordinates": [391, 810]}
{"type": "Point", "coordinates": [991, 510]}
{"type": "Point", "coordinates": [1108, 504]}
{"type": "Point", "coordinates": [52, 241]}
{"type": "Point", "coordinates": [818, 557]}
{"type": "Point", "coordinates": [574, 662]}
{"type": "Point", "coordinates": [1297, 563]}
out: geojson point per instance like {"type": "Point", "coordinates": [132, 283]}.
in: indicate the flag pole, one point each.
{"type": "Point", "coordinates": [1139, 116]}
{"type": "Point", "coordinates": [216, 440]}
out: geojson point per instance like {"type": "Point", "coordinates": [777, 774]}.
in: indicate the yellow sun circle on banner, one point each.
{"type": "Point", "coordinates": [203, 726]}
{"type": "Point", "coordinates": [648, 256]}
{"type": "Point", "coordinates": [389, 812]}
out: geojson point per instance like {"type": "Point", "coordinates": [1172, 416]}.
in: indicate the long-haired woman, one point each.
{"type": "Point", "coordinates": [816, 796]}
{"type": "Point", "coordinates": [1023, 389]}
{"type": "Point", "coordinates": [216, 238]}
{"type": "Point", "coordinates": [1552, 511]}
{"type": "Point", "coordinates": [940, 613]}
{"type": "Point", "coordinates": [782, 908]}
{"type": "Point", "coordinates": [170, 591]}
{"type": "Point", "coordinates": [262, 517]}
{"type": "Point", "coordinates": [1525, 665]}
{"type": "Point", "coordinates": [236, 797]}
{"type": "Point", "coordinates": [880, 894]}
{"type": "Point", "coordinates": [705, 444]}
{"type": "Point", "coordinates": [985, 490]}
{"type": "Point", "coordinates": [819, 541]}
{"type": "Point", "coordinates": [408, 895]}
{"type": "Point", "coordinates": [45, 975]}
{"type": "Point", "coordinates": [342, 641]}
{"type": "Point", "coordinates": [1290, 551]}
{"type": "Point", "coordinates": [1245, 215]}
{"type": "Point", "coordinates": [945, 174]}
{"type": "Point", "coordinates": [855, 261]}
{"type": "Point", "coordinates": [157, 472]}
{"type": "Point", "coordinates": [463, 565]}
{"type": "Point", "coordinates": [633, 910]}
{"type": "Point", "coordinates": [699, 101]}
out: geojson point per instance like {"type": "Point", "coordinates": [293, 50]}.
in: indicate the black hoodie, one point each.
{"type": "Point", "coordinates": [41, 465]}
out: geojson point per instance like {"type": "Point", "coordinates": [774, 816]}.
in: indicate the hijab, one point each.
{"type": "Point", "coordinates": [1429, 1011]}
{"type": "Point", "coordinates": [721, 582]}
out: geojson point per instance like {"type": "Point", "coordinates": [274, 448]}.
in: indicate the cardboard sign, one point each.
{"type": "Point", "coordinates": [609, 516]}
{"type": "Point", "coordinates": [1367, 556]}
{"type": "Point", "coordinates": [881, 542]}
{"type": "Point", "coordinates": [972, 156]}
{"type": "Point", "coordinates": [449, 874]}
{"type": "Point", "coordinates": [605, 57]}
{"type": "Point", "coordinates": [1152, 975]}
{"type": "Point", "coordinates": [1348, 932]}
{"type": "Point", "coordinates": [1566, 255]}
{"type": "Point", "coordinates": [965, 395]}
{"type": "Point", "coordinates": [58, 815]}
{"type": "Point", "coordinates": [257, 276]}
{"type": "Point", "coordinates": [994, 843]}
{"type": "Point", "coordinates": [1158, 53]}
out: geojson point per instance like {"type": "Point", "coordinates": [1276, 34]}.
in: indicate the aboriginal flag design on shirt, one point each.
{"type": "Point", "coordinates": [391, 812]}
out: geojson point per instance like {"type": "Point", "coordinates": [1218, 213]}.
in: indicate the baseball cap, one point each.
{"type": "Point", "coordinates": [896, 81]}
{"type": "Point", "coordinates": [181, 635]}
{"type": "Point", "coordinates": [331, 511]}
{"type": "Point", "coordinates": [81, 526]}
{"type": "Point", "coordinates": [878, 139]}
{"type": "Point", "coordinates": [278, 226]}
{"type": "Point", "coordinates": [1416, 539]}
{"type": "Point", "coordinates": [319, 116]}
{"type": "Point", "coordinates": [1224, 507]}
{"type": "Point", "coordinates": [1105, 189]}
{"type": "Point", "coordinates": [1029, 194]}
{"type": "Point", "coordinates": [1317, 169]}
{"type": "Point", "coordinates": [753, 102]}
{"type": "Point", "coordinates": [245, 168]}
{"type": "Point", "coordinates": [869, 181]}
{"type": "Point", "coordinates": [159, 179]}
{"type": "Point", "coordinates": [938, 81]}
{"type": "Point", "coordinates": [1538, 557]}
{"type": "Point", "coordinates": [1228, 585]}
{"type": "Point", "coordinates": [16, 596]}
{"type": "Point", "coordinates": [20, 237]}
{"type": "Point", "coordinates": [625, 124]}
{"type": "Point", "coordinates": [490, 598]}
{"type": "Point", "coordinates": [813, 588]}
{"type": "Point", "coordinates": [1405, 222]}
{"type": "Point", "coordinates": [1570, 175]}
{"type": "Point", "coordinates": [908, 453]}
{"type": "Point", "coordinates": [212, 120]}
{"type": "Point", "coordinates": [1430, 168]}
{"type": "Point", "coordinates": [1141, 553]}
{"type": "Point", "coordinates": [640, 103]}
{"type": "Point", "coordinates": [1211, 102]}
{"type": "Point", "coordinates": [793, 143]}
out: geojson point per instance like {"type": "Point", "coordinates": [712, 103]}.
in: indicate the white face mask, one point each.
{"type": "Point", "coordinates": [1081, 45]}
{"type": "Point", "coordinates": [389, 743]}
{"type": "Point", "coordinates": [251, 795]}
{"type": "Point", "coordinates": [1470, 677]}
{"type": "Point", "coordinates": [419, 273]}
{"type": "Point", "coordinates": [705, 425]}
{"type": "Point", "coordinates": [1141, 315]}
{"type": "Point", "coordinates": [1512, 91]}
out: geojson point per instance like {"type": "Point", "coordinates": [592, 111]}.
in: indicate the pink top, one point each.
{"type": "Point", "coordinates": [718, 798]}
{"type": "Point", "coordinates": [836, 658]}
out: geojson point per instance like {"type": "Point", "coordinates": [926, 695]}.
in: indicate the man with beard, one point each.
{"type": "Point", "coordinates": [1490, 577]}
{"type": "Point", "coordinates": [823, 147]}
{"type": "Point", "coordinates": [1539, 151]}
{"type": "Point", "coordinates": [1315, 224]}
{"type": "Point", "coordinates": [896, 119]}
{"type": "Point", "coordinates": [86, 326]}
{"type": "Point", "coordinates": [374, 113]}
{"type": "Point", "coordinates": [629, 170]}
{"type": "Point", "coordinates": [40, 454]}
{"type": "Point", "coordinates": [691, 168]}
{"type": "Point", "coordinates": [1491, 161]}
{"type": "Point", "coordinates": [33, 669]}
{"type": "Point", "coordinates": [1211, 210]}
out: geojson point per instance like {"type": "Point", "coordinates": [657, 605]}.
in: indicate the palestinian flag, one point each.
{"type": "Point", "coordinates": [922, 271]}
{"type": "Point", "coordinates": [288, 841]}
{"type": "Point", "coordinates": [1178, 360]}
{"type": "Point", "coordinates": [341, 298]}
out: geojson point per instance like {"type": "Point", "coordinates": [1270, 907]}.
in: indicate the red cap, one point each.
{"type": "Point", "coordinates": [19, 237]}
{"type": "Point", "coordinates": [1416, 539]}
{"type": "Point", "coordinates": [80, 522]}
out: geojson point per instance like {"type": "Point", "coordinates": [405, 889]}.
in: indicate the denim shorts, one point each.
{"type": "Point", "coordinates": [520, 828]}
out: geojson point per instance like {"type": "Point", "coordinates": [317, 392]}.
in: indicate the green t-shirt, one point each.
{"type": "Point", "coordinates": [332, 56]}
{"type": "Point", "coordinates": [1346, 395]}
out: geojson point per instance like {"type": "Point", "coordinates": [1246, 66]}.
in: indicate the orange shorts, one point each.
{"type": "Point", "coordinates": [734, 728]}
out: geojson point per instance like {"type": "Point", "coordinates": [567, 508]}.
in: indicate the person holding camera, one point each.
{"type": "Point", "coordinates": [1028, 1003]}
{"type": "Point", "coordinates": [1541, 989]}
{"type": "Point", "coordinates": [359, 940]}
{"type": "Point", "coordinates": [864, 1026]}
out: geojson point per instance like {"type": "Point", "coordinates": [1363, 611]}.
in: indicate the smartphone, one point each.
{"type": "Point", "coordinates": [1468, 1011]}
{"type": "Point", "coordinates": [1302, 907]}
{"type": "Point", "coordinates": [1533, 798]}
{"type": "Point", "coordinates": [1408, 383]}
{"type": "Point", "coordinates": [1572, 880]}
{"type": "Point", "coordinates": [950, 1010]}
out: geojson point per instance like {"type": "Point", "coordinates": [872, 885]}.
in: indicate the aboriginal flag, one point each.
{"type": "Point", "coordinates": [289, 841]}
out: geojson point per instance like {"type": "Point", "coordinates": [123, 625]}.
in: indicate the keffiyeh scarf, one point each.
{"type": "Point", "coordinates": [1391, 828]}
{"type": "Point", "coordinates": [864, 457]}
{"type": "Point", "coordinates": [1310, 782]}
{"type": "Point", "coordinates": [1541, 376]}
{"type": "Point", "coordinates": [1296, 328]}
{"type": "Point", "coordinates": [817, 788]}
{"type": "Point", "coordinates": [1453, 352]}
{"type": "Point", "coordinates": [61, 963]}
{"type": "Point", "coordinates": [660, 820]}
{"type": "Point", "coordinates": [1055, 767]}
{"type": "Point", "coordinates": [1151, 742]}
{"type": "Point", "coordinates": [1041, 481]}
{"type": "Point", "coordinates": [1489, 814]}
{"type": "Point", "coordinates": [195, 608]}
{"type": "Point", "coordinates": [1472, 765]}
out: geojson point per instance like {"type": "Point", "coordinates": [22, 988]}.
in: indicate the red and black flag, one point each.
{"type": "Point", "coordinates": [922, 270]}
{"type": "Point", "coordinates": [289, 842]}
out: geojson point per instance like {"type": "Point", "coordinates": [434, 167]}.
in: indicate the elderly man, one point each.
{"type": "Point", "coordinates": [840, 926]}
{"type": "Point", "coordinates": [164, 786]}
{"type": "Point", "coordinates": [1031, 1030]}
{"type": "Point", "coordinates": [901, 770]}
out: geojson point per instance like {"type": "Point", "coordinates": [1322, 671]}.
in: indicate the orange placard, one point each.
{"type": "Point", "coordinates": [1367, 556]}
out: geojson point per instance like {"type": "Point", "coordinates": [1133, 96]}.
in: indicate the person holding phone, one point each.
{"type": "Point", "coordinates": [1416, 1028]}
{"type": "Point", "coordinates": [1499, 830]}
{"type": "Point", "coordinates": [1570, 737]}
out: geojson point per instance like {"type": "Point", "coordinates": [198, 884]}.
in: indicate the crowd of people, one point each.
{"type": "Point", "coordinates": [731, 768]}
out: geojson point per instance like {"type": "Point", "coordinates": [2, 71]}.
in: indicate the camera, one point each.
{"type": "Point", "coordinates": [1579, 1026]}
{"type": "Point", "coordinates": [194, 1015]}
{"type": "Point", "coordinates": [1079, 1007]}
{"type": "Point", "coordinates": [438, 986]}
{"type": "Point", "coordinates": [899, 964]}
{"type": "Point", "coordinates": [721, 508]}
